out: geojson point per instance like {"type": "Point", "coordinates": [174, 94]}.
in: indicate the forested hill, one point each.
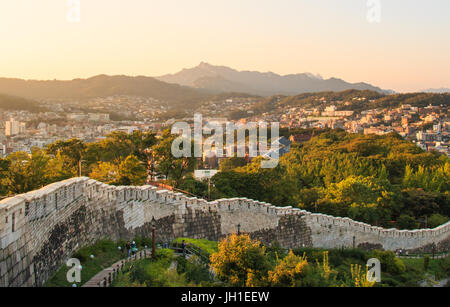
{"type": "Point", "coordinates": [187, 97]}
{"type": "Point", "coordinates": [354, 100]}
{"type": "Point", "coordinates": [381, 180]}
{"type": "Point", "coordinates": [8, 102]}
{"type": "Point", "coordinates": [101, 86]}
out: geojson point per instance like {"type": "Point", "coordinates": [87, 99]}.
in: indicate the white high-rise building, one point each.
{"type": "Point", "coordinates": [13, 127]}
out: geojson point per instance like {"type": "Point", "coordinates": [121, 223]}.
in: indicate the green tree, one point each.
{"type": "Point", "coordinates": [132, 172]}
{"type": "Point", "coordinates": [142, 142]}
{"type": "Point", "coordinates": [72, 149]}
{"type": "Point", "coordinates": [406, 222]}
{"type": "Point", "coordinates": [240, 261]}
{"type": "Point", "coordinates": [174, 169]}
{"type": "Point", "coordinates": [60, 168]}
{"type": "Point", "coordinates": [287, 271]}
{"type": "Point", "coordinates": [437, 220]}
{"type": "Point", "coordinates": [232, 163]}
{"type": "Point", "coordinates": [435, 179]}
{"type": "Point", "coordinates": [26, 172]}
{"type": "Point", "coordinates": [119, 145]}
{"type": "Point", "coordinates": [426, 262]}
{"type": "Point", "coordinates": [194, 186]}
{"type": "Point", "coordinates": [4, 166]}
{"type": "Point", "coordinates": [420, 203]}
{"type": "Point", "coordinates": [389, 262]}
{"type": "Point", "coordinates": [105, 172]}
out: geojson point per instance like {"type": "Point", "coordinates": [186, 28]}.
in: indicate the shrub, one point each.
{"type": "Point", "coordinates": [389, 263]}
{"type": "Point", "coordinates": [164, 255]}
{"type": "Point", "coordinates": [194, 270]}
{"type": "Point", "coordinates": [406, 222]}
{"type": "Point", "coordinates": [445, 265]}
{"type": "Point", "coordinates": [436, 220]}
{"type": "Point", "coordinates": [239, 260]}
{"type": "Point", "coordinates": [152, 272]}
{"type": "Point", "coordinates": [287, 271]}
{"type": "Point", "coordinates": [139, 272]}
{"type": "Point", "coordinates": [208, 246]}
{"type": "Point", "coordinates": [105, 254]}
{"type": "Point", "coordinates": [275, 252]}
{"type": "Point", "coordinates": [426, 263]}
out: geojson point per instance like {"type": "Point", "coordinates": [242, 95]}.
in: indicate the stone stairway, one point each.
{"type": "Point", "coordinates": [105, 277]}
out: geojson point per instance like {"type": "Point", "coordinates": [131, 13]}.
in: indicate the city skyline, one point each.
{"type": "Point", "coordinates": [225, 144]}
{"type": "Point", "coordinates": [404, 50]}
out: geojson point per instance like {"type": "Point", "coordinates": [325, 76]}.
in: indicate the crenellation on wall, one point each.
{"type": "Point", "coordinates": [80, 210]}
{"type": "Point", "coordinates": [365, 234]}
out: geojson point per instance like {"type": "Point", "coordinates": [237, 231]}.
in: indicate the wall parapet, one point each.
{"type": "Point", "coordinates": [67, 214]}
{"type": "Point", "coordinates": [38, 204]}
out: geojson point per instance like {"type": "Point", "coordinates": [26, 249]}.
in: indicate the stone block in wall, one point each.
{"type": "Point", "coordinates": [102, 211]}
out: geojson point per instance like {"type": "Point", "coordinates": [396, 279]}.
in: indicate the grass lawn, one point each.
{"type": "Point", "coordinates": [439, 268]}
{"type": "Point", "coordinates": [152, 272]}
{"type": "Point", "coordinates": [105, 253]}
{"type": "Point", "coordinates": [208, 246]}
{"type": "Point", "coordinates": [160, 272]}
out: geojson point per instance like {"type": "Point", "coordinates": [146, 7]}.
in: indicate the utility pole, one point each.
{"type": "Point", "coordinates": [79, 168]}
{"type": "Point", "coordinates": [153, 237]}
{"type": "Point", "coordinates": [209, 189]}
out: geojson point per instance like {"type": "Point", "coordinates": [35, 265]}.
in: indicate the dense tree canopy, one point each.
{"type": "Point", "coordinates": [354, 100]}
{"type": "Point", "coordinates": [120, 159]}
{"type": "Point", "coordinates": [369, 178]}
{"type": "Point", "coordinates": [241, 261]}
{"type": "Point", "coordinates": [381, 180]}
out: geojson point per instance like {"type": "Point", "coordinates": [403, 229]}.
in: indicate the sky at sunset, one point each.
{"type": "Point", "coordinates": [408, 50]}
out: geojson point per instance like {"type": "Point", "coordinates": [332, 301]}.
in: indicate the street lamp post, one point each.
{"type": "Point", "coordinates": [239, 229]}
{"type": "Point", "coordinates": [79, 167]}
{"type": "Point", "coordinates": [153, 236]}
{"type": "Point", "coordinates": [209, 189]}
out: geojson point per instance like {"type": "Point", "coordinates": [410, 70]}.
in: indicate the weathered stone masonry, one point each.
{"type": "Point", "coordinates": [39, 230]}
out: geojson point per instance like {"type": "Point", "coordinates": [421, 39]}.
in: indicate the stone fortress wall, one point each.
{"type": "Point", "coordinates": [39, 230]}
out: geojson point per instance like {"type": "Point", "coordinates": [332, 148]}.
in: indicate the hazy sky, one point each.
{"type": "Point", "coordinates": [409, 49]}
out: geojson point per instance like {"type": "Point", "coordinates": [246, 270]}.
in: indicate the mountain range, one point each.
{"type": "Point", "coordinates": [185, 88]}
{"type": "Point", "coordinates": [224, 79]}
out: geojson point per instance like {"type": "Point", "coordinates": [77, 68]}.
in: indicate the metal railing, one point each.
{"type": "Point", "coordinates": [115, 270]}
{"type": "Point", "coordinates": [420, 255]}
{"type": "Point", "coordinates": [171, 188]}
{"type": "Point", "coordinates": [118, 268]}
{"type": "Point", "coordinates": [191, 249]}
